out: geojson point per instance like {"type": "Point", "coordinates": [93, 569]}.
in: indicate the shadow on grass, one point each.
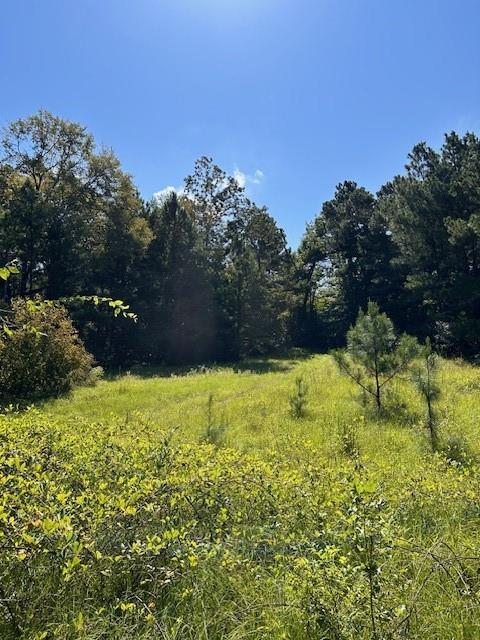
{"type": "Point", "coordinates": [157, 371]}
{"type": "Point", "coordinates": [260, 365]}
{"type": "Point", "coordinates": [272, 364]}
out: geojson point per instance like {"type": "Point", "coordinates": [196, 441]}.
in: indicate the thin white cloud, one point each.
{"type": "Point", "coordinates": [258, 177]}
{"type": "Point", "coordinates": [240, 178]}
{"type": "Point", "coordinates": [244, 179]}
{"type": "Point", "coordinates": [159, 196]}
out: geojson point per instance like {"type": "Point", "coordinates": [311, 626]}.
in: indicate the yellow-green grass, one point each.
{"type": "Point", "coordinates": [118, 519]}
{"type": "Point", "coordinates": [253, 404]}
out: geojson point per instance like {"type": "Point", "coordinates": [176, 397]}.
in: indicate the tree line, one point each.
{"type": "Point", "coordinates": [209, 272]}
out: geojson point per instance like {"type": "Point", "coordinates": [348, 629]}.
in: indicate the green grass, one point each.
{"type": "Point", "coordinates": [253, 404]}
{"type": "Point", "coordinates": [118, 519]}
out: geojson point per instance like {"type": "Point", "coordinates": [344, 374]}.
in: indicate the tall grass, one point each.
{"type": "Point", "coordinates": [122, 517]}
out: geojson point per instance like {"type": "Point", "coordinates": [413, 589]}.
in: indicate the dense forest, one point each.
{"type": "Point", "coordinates": [209, 273]}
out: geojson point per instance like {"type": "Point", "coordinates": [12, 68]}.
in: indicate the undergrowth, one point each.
{"type": "Point", "coordinates": [338, 526]}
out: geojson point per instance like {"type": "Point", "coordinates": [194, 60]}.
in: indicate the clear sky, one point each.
{"type": "Point", "coordinates": [294, 95]}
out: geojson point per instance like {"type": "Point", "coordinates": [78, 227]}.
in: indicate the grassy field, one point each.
{"type": "Point", "coordinates": [193, 505]}
{"type": "Point", "coordinates": [252, 404]}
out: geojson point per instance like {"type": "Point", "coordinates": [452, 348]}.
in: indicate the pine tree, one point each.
{"type": "Point", "coordinates": [375, 355]}
{"type": "Point", "coordinates": [424, 377]}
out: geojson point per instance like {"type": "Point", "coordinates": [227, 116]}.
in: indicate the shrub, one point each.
{"type": "Point", "coordinates": [455, 448]}
{"type": "Point", "coordinates": [44, 355]}
{"type": "Point", "coordinates": [96, 374]}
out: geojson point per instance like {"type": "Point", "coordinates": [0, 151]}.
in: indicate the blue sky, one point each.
{"type": "Point", "coordinates": [295, 95]}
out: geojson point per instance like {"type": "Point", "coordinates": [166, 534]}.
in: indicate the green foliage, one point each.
{"type": "Point", "coordinates": [455, 448]}
{"type": "Point", "coordinates": [207, 271]}
{"type": "Point", "coordinates": [43, 356]}
{"type": "Point", "coordinates": [256, 279]}
{"type": "Point", "coordinates": [118, 307]}
{"type": "Point", "coordinates": [96, 374]}
{"type": "Point", "coordinates": [345, 259]}
{"type": "Point", "coordinates": [413, 249]}
{"type": "Point", "coordinates": [210, 272]}
{"type": "Point", "coordinates": [349, 445]}
{"type": "Point", "coordinates": [177, 305]}
{"type": "Point", "coordinates": [298, 399]}
{"type": "Point", "coordinates": [50, 167]}
{"type": "Point", "coordinates": [375, 355]}
{"type": "Point", "coordinates": [215, 428]}
{"type": "Point", "coordinates": [7, 271]}
{"type": "Point", "coordinates": [121, 527]}
{"type": "Point", "coordinates": [424, 376]}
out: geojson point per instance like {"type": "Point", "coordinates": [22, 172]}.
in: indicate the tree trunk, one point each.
{"type": "Point", "coordinates": [377, 387]}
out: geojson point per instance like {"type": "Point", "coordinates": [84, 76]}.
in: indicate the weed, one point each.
{"type": "Point", "coordinates": [348, 438]}
{"type": "Point", "coordinates": [215, 429]}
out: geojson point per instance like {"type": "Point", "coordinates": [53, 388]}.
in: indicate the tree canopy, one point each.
{"type": "Point", "coordinates": [210, 273]}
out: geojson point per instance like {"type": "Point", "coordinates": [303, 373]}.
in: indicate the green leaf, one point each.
{"type": "Point", "coordinates": [6, 272]}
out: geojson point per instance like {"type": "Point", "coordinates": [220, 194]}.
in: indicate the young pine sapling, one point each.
{"type": "Point", "coordinates": [375, 354]}
{"type": "Point", "coordinates": [298, 400]}
{"type": "Point", "coordinates": [214, 429]}
{"type": "Point", "coordinates": [424, 376]}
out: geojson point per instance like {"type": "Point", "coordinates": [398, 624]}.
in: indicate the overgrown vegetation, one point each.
{"type": "Point", "coordinates": [424, 376]}
{"type": "Point", "coordinates": [215, 427]}
{"type": "Point", "coordinates": [43, 355]}
{"type": "Point", "coordinates": [118, 520]}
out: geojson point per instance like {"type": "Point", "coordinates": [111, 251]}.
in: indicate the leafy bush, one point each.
{"type": "Point", "coordinates": [96, 374]}
{"type": "Point", "coordinates": [112, 534]}
{"type": "Point", "coordinates": [43, 356]}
